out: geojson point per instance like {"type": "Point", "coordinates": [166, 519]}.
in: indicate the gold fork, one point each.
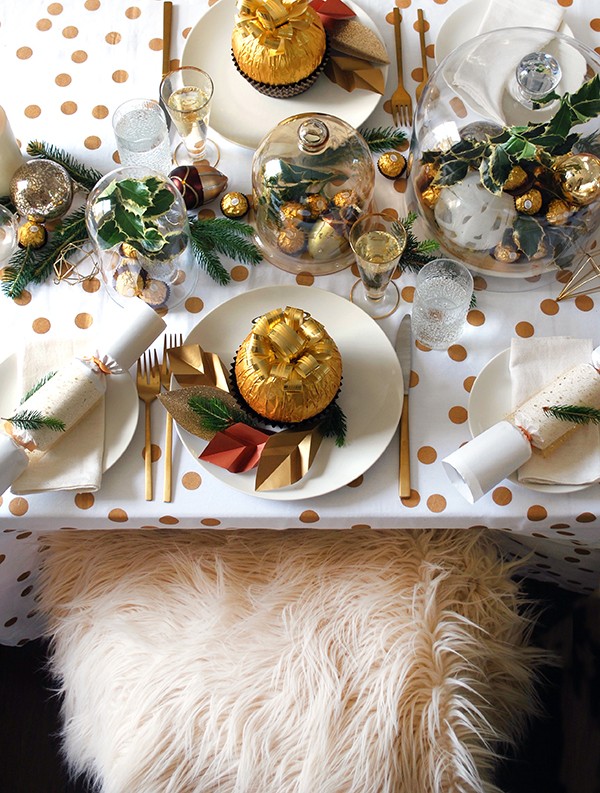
{"type": "Point", "coordinates": [148, 388]}
{"type": "Point", "coordinates": [421, 86]}
{"type": "Point", "coordinates": [401, 102]}
{"type": "Point", "coordinates": [174, 340]}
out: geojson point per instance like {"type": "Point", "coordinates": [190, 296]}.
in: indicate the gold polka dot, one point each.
{"type": "Point", "coordinates": [118, 515]}
{"type": "Point", "coordinates": [92, 142]}
{"type": "Point", "coordinates": [584, 302]}
{"type": "Point", "coordinates": [26, 591]}
{"type": "Point", "coordinates": [458, 107]}
{"type": "Point", "coordinates": [100, 111]}
{"type": "Point", "coordinates": [595, 24]}
{"type": "Point", "coordinates": [23, 299]}
{"type": "Point", "coordinates": [18, 506]}
{"type": "Point", "coordinates": [70, 32]}
{"type": "Point", "coordinates": [239, 273]}
{"type": "Point", "coordinates": [194, 305]}
{"type": "Point", "coordinates": [185, 32]}
{"type": "Point", "coordinates": [422, 347]}
{"type": "Point", "coordinates": [120, 76]}
{"type": "Point", "coordinates": [84, 500]}
{"type": "Point", "coordinates": [408, 293]}
{"type": "Point", "coordinates": [458, 414]}
{"type": "Point", "coordinates": [565, 3]}
{"type": "Point", "coordinates": [457, 352]}
{"type": "Point", "coordinates": [400, 185]}
{"type": "Point", "coordinates": [43, 24]}
{"type": "Point", "coordinates": [168, 520]}
{"type": "Point", "coordinates": [305, 279]}
{"type": "Point", "coordinates": [537, 512]}
{"type": "Point", "coordinates": [560, 526]}
{"type": "Point", "coordinates": [84, 320]}
{"type": "Point", "coordinates": [68, 108]}
{"type": "Point", "coordinates": [309, 516]}
{"type": "Point", "coordinates": [360, 526]}
{"type": "Point", "coordinates": [155, 45]}
{"type": "Point", "coordinates": [155, 452]}
{"type": "Point", "coordinates": [502, 496]}
{"type": "Point", "coordinates": [427, 455]}
{"type": "Point", "coordinates": [79, 56]}
{"type": "Point", "coordinates": [113, 37]}
{"type": "Point", "coordinates": [586, 517]}
{"type": "Point", "coordinates": [24, 52]}
{"type": "Point", "coordinates": [62, 80]}
{"type": "Point", "coordinates": [23, 535]}
{"type": "Point", "coordinates": [33, 111]}
{"type": "Point", "coordinates": [524, 329]}
{"type": "Point", "coordinates": [133, 12]}
{"type": "Point", "coordinates": [191, 480]}
{"type": "Point", "coordinates": [92, 5]}
{"type": "Point", "coordinates": [41, 325]}
{"type": "Point", "coordinates": [356, 482]}
{"type": "Point", "coordinates": [549, 307]}
{"type": "Point", "coordinates": [413, 500]}
{"type": "Point", "coordinates": [9, 623]}
{"type": "Point", "coordinates": [430, 50]}
{"type": "Point", "coordinates": [436, 503]}
{"type": "Point", "coordinates": [468, 383]}
{"type": "Point", "coordinates": [417, 74]}
{"type": "Point", "coordinates": [2, 557]}
{"type": "Point", "coordinates": [91, 285]}
{"type": "Point", "coordinates": [24, 576]}
{"type": "Point", "coordinates": [210, 522]}
{"type": "Point", "coordinates": [206, 214]}
{"type": "Point", "coordinates": [413, 380]}
{"type": "Point", "coordinates": [475, 317]}
{"type": "Point", "coordinates": [55, 9]}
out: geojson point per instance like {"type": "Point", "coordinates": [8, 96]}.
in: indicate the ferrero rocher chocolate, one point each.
{"type": "Point", "coordinates": [579, 176]}
{"type": "Point", "coordinates": [129, 283]}
{"type": "Point", "coordinates": [291, 240]}
{"type": "Point", "coordinates": [558, 212]}
{"type": "Point", "coordinates": [505, 253]}
{"type": "Point", "coordinates": [293, 212]}
{"type": "Point", "coordinates": [235, 205]}
{"type": "Point", "coordinates": [129, 251]}
{"type": "Point", "coordinates": [317, 205]}
{"type": "Point", "coordinates": [343, 199]}
{"type": "Point", "coordinates": [288, 369]}
{"type": "Point", "coordinates": [392, 164]}
{"type": "Point", "coordinates": [155, 293]}
{"type": "Point", "coordinates": [516, 178]}
{"type": "Point", "coordinates": [430, 195]}
{"type": "Point", "coordinates": [529, 203]}
{"type": "Point", "coordinates": [32, 235]}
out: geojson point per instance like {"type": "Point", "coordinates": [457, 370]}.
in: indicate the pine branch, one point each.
{"type": "Point", "coordinates": [215, 415]}
{"type": "Point", "coordinates": [334, 424]}
{"type": "Point", "coordinates": [225, 236]}
{"type": "Point", "coordinates": [380, 139]}
{"type": "Point", "coordinates": [71, 231]}
{"type": "Point", "coordinates": [473, 301]}
{"type": "Point", "coordinates": [416, 252]}
{"type": "Point", "coordinates": [34, 420]}
{"type": "Point", "coordinates": [86, 177]}
{"type": "Point", "coordinates": [42, 381]}
{"type": "Point", "coordinates": [577, 414]}
{"type": "Point", "coordinates": [18, 274]}
{"type": "Point", "coordinates": [210, 262]}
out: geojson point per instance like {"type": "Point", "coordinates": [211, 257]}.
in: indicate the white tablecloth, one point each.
{"type": "Point", "coordinates": [65, 70]}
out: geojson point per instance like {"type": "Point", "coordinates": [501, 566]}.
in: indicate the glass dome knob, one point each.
{"type": "Point", "coordinates": [537, 75]}
{"type": "Point", "coordinates": [313, 135]}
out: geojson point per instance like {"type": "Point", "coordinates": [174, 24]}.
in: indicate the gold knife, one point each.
{"type": "Point", "coordinates": [404, 353]}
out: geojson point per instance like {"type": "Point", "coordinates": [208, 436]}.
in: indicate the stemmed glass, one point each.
{"type": "Point", "coordinates": [378, 241]}
{"type": "Point", "coordinates": [9, 228]}
{"type": "Point", "coordinates": [187, 93]}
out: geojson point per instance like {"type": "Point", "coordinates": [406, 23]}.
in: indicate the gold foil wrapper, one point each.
{"type": "Point", "coordinates": [392, 164]}
{"type": "Point", "coordinates": [235, 205]}
{"type": "Point", "coordinates": [516, 178]}
{"type": "Point", "coordinates": [288, 368]}
{"type": "Point", "coordinates": [529, 203]}
{"type": "Point", "coordinates": [580, 178]}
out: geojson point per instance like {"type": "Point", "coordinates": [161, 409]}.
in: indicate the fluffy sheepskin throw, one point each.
{"type": "Point", "coordinates": [299, 661]}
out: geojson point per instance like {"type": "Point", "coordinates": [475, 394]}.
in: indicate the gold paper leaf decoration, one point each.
{"type": "Point", "coordinates": [287, 457]}
{"type": "Point", "coordinates": [191, 365]}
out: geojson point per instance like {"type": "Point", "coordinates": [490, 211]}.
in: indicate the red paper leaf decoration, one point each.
{"type": "Point", "coordinates": [237, 449]}
{"type": "Point", "coordinates": [331, 11]}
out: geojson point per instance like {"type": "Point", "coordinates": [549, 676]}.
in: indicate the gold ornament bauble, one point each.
{"type": "Point", "coordinates": [317, 205]}
{"type": "Point", "coordinates": [392, 164]}
{"type": "Point", "coordinates": [326, 240]}
{"type": "Point", "coordinates": [32, 235]}
{"type": "Point", "coordinates": [529, 203]}
{"type": "Point", "coordinates": [234, 205]}
{"type": "Point", "coordinates": [579, 176]}
{"type": "Point", "coordinates": [41, 190]}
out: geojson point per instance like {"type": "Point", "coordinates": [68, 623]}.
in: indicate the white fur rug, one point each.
{"type": "Point", "coordinates": [301, 661]}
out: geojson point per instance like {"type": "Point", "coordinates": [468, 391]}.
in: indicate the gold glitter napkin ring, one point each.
{"type": "Point", "coordinates": [273, 22]}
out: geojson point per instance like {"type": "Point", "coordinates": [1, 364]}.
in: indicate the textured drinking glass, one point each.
{"type": "Point", "coordinates": [441, 302]}
{"type": "Point", "coordinates": [187, 94]}
{"type": "Point", "coordinates": [378, 242]}
{"type": "Point", "coordinates": [8, 234]}
{"type": "Point", "coordinates": [142, 136]}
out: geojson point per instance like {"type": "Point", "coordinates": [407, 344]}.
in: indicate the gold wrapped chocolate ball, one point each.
{"type": "Point", "coordinates": [529, 203]}
{"type": "Point", "coordinates": [128, 283]}
{"type": "Point", "coordinates": [288, 369]}
{"type": "Point", "coordinates": [345, 198]}
{"type": "Point", "coordinates": [129, 251]}
{"type": "Point", "coordinates": [430, 195]}
{"type": "Point", "coordinates": [392, 164]}
{"type": "Point", "coordinates": [235, 205]}
{"type": "Point", "coordinates": [293, 212]}
{"type": "Point", "coordinates": [32, 235]}
{"type": "Point", "coordinates": [516, 178]}
{"type": "Point", "coordinates": [291, 241]}
{"type": "Point", "coordinates": [317, 205]}
{"type": "Point", "coordinates": [579, 176]}
{"type": "Point", "coordinates": [505, 253]}
{"type": "Point", "coordinates": [558, 212]}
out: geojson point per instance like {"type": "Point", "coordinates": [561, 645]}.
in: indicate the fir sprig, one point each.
{"type": "Point", "coordinates": [380, 139]}
{"type": "Point", "coordinates": [416, 252]}
{"type": "Point", "coordinates": [86, 177]}
{"type": "Point", "coordinates": [334, 424]}
{"type": "Point", "coordinates": [42, 381]}
{"type": "Point", "coordinates": [215, 415]}
{"type": "Point", "coordinates": [225, 236]}
{"type": "Point", "coordinates": [577, 414]}
{"type": "Point", "coordinates": [34, 420]}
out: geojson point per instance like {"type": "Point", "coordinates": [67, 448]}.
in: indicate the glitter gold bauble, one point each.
{"type": "Point", "coordinates": [579, 176]}
{"type": "Point", "coordinates": [234, 205]}
{"type": "Point", "coordinates": [529, 203]}
{"type": "Point", "coordinates": [41, 190]}
{"type": "Point", "coordinates": [293, 212]}
{"type": "Point", "coordinates": [291, 241]}
{"type": "Point", "coordinates": [392, 164]}
{"type": "Point", "coordinates": [516, 178]}
{"type": "Point", "coordinates": [558, 212]}
{"type": "Point", "coordinates": [317, 205]}
{"type": "Point", "coordinates": [32, 235]}
{"type": "Point", "coordinates": [505, 253]}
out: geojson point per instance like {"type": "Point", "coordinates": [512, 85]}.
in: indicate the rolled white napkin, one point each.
{"type": "Point", "coordinates": [535, 363]}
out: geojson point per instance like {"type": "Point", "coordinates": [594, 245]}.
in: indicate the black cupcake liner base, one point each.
{"type": "Point", "coordinates": [284, 90]}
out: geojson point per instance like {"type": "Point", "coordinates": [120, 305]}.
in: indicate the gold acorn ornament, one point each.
{"type": "Point", "coordinates": [579, 176]}
{"type": "Point", "coordinates": [41, 190]}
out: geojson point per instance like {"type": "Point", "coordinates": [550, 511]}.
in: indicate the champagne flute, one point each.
{"type": "Point", "coordinates": [378, 242]}
{"type": "Point", "coordinates": [187, 93]}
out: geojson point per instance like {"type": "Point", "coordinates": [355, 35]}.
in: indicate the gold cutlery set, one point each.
{"type": "Point", "coordinates": [401, 101]}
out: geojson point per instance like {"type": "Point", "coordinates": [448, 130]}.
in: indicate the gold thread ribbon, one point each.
{"type": "Point", "coordinates": [273, 22]}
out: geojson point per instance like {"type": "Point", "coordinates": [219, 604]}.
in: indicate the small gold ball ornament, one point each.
{"type": "Point", "coordinates": [32, 235]}
{"type": "Point", "coordinates": [392, 164]}
{"type": "Point", "coordinates": [579, 176]}
{"type": "Point", "coordinates": [235, 205]}
{"type": "Point", "coordinates": [529, 203]}
{"type": "Point", "coordinates": [41, 190]}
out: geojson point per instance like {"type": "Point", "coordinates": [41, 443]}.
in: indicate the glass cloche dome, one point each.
{"type": "Point", "coordinates": [505, 153]}
{"type": "Point", "coordinates": [312, 175]}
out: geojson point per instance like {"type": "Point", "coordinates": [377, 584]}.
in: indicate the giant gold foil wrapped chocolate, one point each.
{"type": "Point", "coordinates": [277, 42]}
{"type": "Point", "coordinates": [288, 368]}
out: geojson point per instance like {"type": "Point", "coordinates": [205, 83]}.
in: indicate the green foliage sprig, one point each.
{"type": "Point", "coordinates": [380, 139]}
{"type": "Point", "coordinates": [42, 381]}
{"type": "Point", "coordinates": [215, 236]}
{"type": "Point", "coordinates": [334, 425]}
{"type": "Point", "coordinates": [416, 252]}
{"type": "Point", "coordinates": [86, 177]}
{"type": "Point", "coordinates": [577, 414]}
{"type": "Point", "coordinates": [215, 415]}
{"type": "Point", "coordinates": [34, 420]}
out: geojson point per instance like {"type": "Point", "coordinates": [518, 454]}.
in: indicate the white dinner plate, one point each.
{"type": "Point", "coordinates": [463, 24]}
{"type": "Point", "coordinates": [121, 408]}
{"type": "Point", "coordinates": [371, 394]}
{"type": "Point", "coordinates": [490, 402]}
{"type": "Point", "coordinates": [239, 112]}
